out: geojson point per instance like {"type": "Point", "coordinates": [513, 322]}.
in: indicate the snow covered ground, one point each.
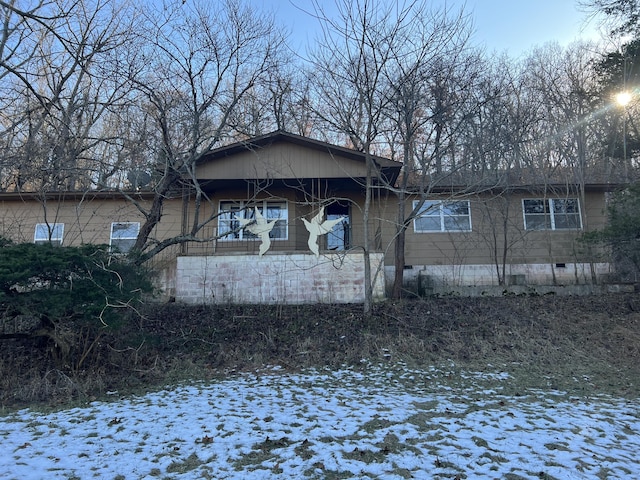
{"type": "Point", "coordinates": [373, 422]}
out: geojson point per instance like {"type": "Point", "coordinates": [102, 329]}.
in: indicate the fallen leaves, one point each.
{"type": "Point", "coordinates": [205, 440]}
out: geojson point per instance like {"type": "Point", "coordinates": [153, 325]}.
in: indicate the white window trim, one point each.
{"type": "Point", "coordinates": [243, 205]}
{"type": "Point", "coordinates": [439, 204]}
{"type": "Point", "coordinates": [50, 229]}
{"type": "Point", "coordinates": [111, 238]}
{"type": "Point", "coordinates": [552, 215]}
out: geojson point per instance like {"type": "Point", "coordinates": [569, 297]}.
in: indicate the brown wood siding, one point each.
{"type": "Point", "coordinates": [86, 221]}
{"type": "Point", "coordinates": [89, 221]}
{"type": "Point", "coordinates": [281, 161]}
{"type": "Point", "coordinates": [486, 240]}
{"type": "Point", "coordinates": [298, 207]}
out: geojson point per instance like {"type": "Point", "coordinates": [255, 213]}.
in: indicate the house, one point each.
{"type": "Point", "coordinates": [284, 223]}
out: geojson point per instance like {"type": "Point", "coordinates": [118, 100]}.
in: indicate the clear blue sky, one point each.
{"type": "Point", "coordinates": [519, 25]}
{"type": "Point", "coordinates": [512, 25]}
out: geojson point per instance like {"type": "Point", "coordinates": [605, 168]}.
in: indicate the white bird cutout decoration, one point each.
{"type": "Point", "coordinates": [317, 227]}
{"type": "Point", "coordinates": [260, 228]}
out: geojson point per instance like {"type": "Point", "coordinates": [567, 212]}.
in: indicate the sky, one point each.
{"type": "Point", "coordinates": [369, 423]}
{"type": "Point", "coordinates": [514, 26]}
{"type": "Point", "coordinates": [519, 25]}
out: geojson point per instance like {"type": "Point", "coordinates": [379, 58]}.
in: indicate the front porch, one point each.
{"type": "Point", "coordinates": [277, 278]}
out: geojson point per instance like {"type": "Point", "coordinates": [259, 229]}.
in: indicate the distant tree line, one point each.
{"type": "Point", "coordinates": [93, 93]}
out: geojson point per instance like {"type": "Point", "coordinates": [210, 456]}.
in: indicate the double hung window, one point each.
{"type": "Point", "coordinates": [442, 216]}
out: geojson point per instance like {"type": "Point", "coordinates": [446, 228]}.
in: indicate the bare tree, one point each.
{"type": "Point", "coordinates": [62, 80]}
{"type": "Point", "coordinates": [350, 65]}
{"type": "Point", "coordinates": [399, 79]}
{"type": "Point", "coordinates": [543, 128]}
{"type": "Point", "coordinates": [21, 34]}
{"type": "Point", "coordinates": [280, 101]}
{"type": "Point", "coordinates": [201, 64]}
{"type": "Point", "coordinates": [431, 74]}
{"type": "Point", "coordinates": [621, 17]}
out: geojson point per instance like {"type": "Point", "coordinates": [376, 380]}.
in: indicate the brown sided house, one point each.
{"type": "Point", "coordinates": [283, 223]}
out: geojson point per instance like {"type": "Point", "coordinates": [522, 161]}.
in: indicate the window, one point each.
{"type": "Point", "coordinates": [229, 227]}
{"type": "Point", "coordinates": [552, 214]}
{"type": "Point", "coordinates": [437, 216]}
{"type": "Point", "coordinates": [123, 236]}
{"type": "Point", "coordinates": [49, 233]}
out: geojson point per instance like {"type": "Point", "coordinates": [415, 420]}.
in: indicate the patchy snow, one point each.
{"type": "Point", "coordinates": [372, 423]}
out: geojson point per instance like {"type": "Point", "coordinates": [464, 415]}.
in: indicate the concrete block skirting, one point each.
{"type": "Point", "coordinates": [276, 278]}
{"type": "Point", "coordinates": [423, 279]}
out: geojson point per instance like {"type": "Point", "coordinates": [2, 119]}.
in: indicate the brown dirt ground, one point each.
{"type": "Point", "coordinates": [583, 344]}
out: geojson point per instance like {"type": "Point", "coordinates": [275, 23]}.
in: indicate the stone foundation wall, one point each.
{"type": "Point", "coordinates": [275, 278]}
{"type": "Point", "coordinates": [423, 277]}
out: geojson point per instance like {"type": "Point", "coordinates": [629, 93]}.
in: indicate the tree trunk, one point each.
{"type": "Point", "coordinates": [399, 259]}
{"type": "Point", "coordinates": [368, 288]}
{"type": "Point", "coordinates": [153, 216]}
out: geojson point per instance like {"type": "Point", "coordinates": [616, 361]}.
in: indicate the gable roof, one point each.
{"type": "Point", "coordinates": [282, 136]}
{"type": "Point", "coordinates": [323, 159]}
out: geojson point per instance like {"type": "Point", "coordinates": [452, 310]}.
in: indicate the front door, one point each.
{"type": "Point", "coordinates": [339, 238]}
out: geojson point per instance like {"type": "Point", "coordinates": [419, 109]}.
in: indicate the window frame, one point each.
{"type": "Point", "coordinates": [550, 214]}
{"type": "Point", "coordinates": [112, 238]}
{"type": "Point", "coordinates": [49, 229]}
{"type": "Point", "coordinates": [247, 209]}
{"type": "Point", "coordinates": [441, 214]}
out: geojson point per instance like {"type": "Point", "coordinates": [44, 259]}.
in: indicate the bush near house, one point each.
{"type": "Point", "coordinates": [622, 233]}
{"type": "Point", "coordinates": [65, 297]}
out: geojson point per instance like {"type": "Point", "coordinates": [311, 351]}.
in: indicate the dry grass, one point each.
{"type": "Point", "coordinates": [582, 344]}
